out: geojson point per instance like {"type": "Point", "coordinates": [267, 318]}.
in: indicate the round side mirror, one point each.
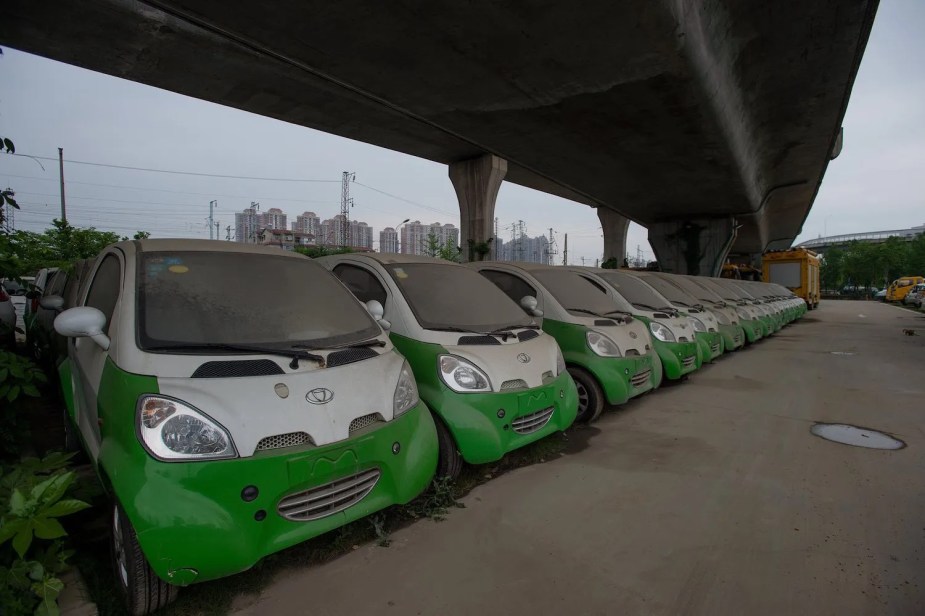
{"type": "Point", "coordinates": [529, 304]}
{"type": "Point", "coordinates": [81, 322]}
{"type": "Point", "coordinates": [52, 302]}
{"type": "Point", "coordinates": [375, 309]}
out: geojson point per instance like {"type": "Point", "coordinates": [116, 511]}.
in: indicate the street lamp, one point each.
{"type": "Point", "coordinates": [398, 235]}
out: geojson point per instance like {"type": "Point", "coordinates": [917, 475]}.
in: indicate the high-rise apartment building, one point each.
{"type": "Point", "coordinates": [388, 240]}
{"type": "Point", "coordinates": [415, 237]}
{"type": "Point", "coordinates": [307, 222]}
{"type": "Point", "coordinates": [523, 249]}
{"type": "Point", "coordinates": [276, 219]}
{"type": "Point", "coordinates": [359, 234]}
{"type": "Point", "coordinates": [248, 224]}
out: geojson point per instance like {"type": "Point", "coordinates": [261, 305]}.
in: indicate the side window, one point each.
{"type": "Point", "coordinates": [105, 287]}
{"type": "Point", "coordinates": [596, 285]}
{"type": "Point", "coordinates": [513, 286]}
{"type": "Point", "coordinates": [362, 283]}
{"type": "Point", "coordinates": [56, 284]}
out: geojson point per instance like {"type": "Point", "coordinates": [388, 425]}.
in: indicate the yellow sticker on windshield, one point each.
{"type": "Point", "coordinates": [400, 272]}
{"type": "Point", "coordinates": [178, 269]}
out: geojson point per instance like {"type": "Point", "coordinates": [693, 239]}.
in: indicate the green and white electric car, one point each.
{"type": "Point", "coordinates": [683, 292]}
{"type": "Point", "coordinates": [607, 351]}
{"type": "Point", "coordinates": [756, 321]}
{"type": "Point", "coordinates": [235, 400]}
{"type": "Point", "coordinates": [493, 379]}
{"type": "Point", "coordinates": [674, 334]}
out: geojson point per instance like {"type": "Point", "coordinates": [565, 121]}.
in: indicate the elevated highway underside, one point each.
{"type": "Point", "coordinates": [672, 113]}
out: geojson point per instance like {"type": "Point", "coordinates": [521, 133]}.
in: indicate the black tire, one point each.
{"type": "Point", "coordinates": [590, 395]}
{"type": "Point", "coordinates": [449, 461]}
{"type": "Point", "coordinates": [142, 591]}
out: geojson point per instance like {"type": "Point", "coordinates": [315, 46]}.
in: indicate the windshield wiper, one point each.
{"type": "Point", "coordinates": [374, 342]}
{"type": "Point", "coordinates": [584, 310]}
{"type": "Point", "coordinates": [504, 332]}
{"type": "Point", "coordinates": [295, 354]}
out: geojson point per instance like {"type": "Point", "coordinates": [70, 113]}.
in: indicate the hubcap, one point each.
{"type": "Point", "coordinates": [119, 545]}
{"type": "Point", "coordinates": [583, 398]}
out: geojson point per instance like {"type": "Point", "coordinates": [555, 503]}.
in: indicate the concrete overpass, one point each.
{"type": "Point", "coordinates": [821, 244]}
{"type": "Point", "coordinates": [710, 122]}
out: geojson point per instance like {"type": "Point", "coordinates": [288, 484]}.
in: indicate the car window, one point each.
{"type": "Point", "coordinates": [105, 287]}
{"type": "Point", "coordinates": [513, 286]}
{"type": "Point", "coordinates": [55, 286]}
{"type": "Point", "coordinates": [361, 282]}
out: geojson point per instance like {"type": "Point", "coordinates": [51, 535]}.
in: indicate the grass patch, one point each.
{"type": "Point", "coordinates": [216, 597]}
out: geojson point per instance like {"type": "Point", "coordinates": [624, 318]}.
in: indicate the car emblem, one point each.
{"type": "Point", "coordinates": [319, 395]}
{"type": "Point", "coordinates": [633, 335]}
{"type": "Point", "coordinates": [523, 358]}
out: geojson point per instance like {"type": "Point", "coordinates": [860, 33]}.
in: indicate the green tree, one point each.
{"type": "Point", "coordinates": [431, 246]}
{"type": "Point", "coordinates": [59, 246]}
{"type": "Point", "coordinates": [321, 251]}
{"type": "Point", "coordinates": [449, 252]}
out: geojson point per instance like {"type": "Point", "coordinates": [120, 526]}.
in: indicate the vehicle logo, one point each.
{"type": "Point", "coordinates": [633, 335]}
{"type": "Point", "coordinates": [319, 395]}
{"type": "Point", "coordinates": [523, 358]}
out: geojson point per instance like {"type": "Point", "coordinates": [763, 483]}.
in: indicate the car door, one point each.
{"type": "Point", "coordinates": [88, 358]}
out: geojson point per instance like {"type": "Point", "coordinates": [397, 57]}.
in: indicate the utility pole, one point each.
{"type": "Point", "coordinates": [61, 176]}
{"type": "Point", "coordinates": [494, 244]}
{"type": "Point", "coordinates": [217, 230]}
{"type": "Point", "coordinates": [212, 206]}
{"type": "Point", "coordinates": [565, 251]}
{"type": "Point", "coordinates": [582, 261]}
{"type": "Point", "coordinates": [551, 251]}
{"type": "Point", "coordinates": [228, 233]}
{"type": "Point", "coordinates": [345, 204]}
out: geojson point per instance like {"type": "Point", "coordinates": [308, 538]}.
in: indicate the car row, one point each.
{"type": "Point", "coordinates": [226, 428]}
{"type": "Point", "coordinates": [915, 296]}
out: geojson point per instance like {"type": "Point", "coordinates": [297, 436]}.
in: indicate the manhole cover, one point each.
{"type": "Point", "coordinates": [858, 437]}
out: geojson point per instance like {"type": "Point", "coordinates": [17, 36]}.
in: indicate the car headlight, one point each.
{"type": "Point", "coordinates": [560, 361]}
{"type": "Point", "coordinates": [661, 332]}
{"type": "Point", "coordinates": [602, 345]}
{"type": "Point", "coordinates": [743, 314]}
{"type": "Point", "coordinates": [462, 376]}
{"type": "Point", "coordinates": [697, 324]}
{"type": "Point", "coordinates": [172, 430]}
{"type": "Point", "coordinates": [406, 391]}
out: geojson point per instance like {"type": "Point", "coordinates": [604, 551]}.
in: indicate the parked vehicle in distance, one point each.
{"type": "Point", "coordinates": [674, 333]}
{"type": "Point", "coordinates": [46, 345]}
{"type": "Point", "coordinates": [880, 295]}
{"type": "Point", "coordinates": [608, 353]}
{"type": "Point", "coordinates": [770, 322]}
{"type": "Point", "coordinates": [914, 296]}
{"type": "Point", "coordinates": [697, 301]}
{"type": "Point", "coordinates": [223, 428]}
{"type": "Point", "coordinates": [34, 293]}
{"type": "Point", "coordinates": [493, 379]}
{"type": "Point", "coordinates": [796, 269]}
{"type": "Point", "coordinates": [900, 287]}
{"type": "Point", "coordinates": [748, 316]}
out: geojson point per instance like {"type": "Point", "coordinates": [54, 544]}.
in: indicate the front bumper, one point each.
{"type": "Point", "coordinates": [753, 329]}
{"type": "Point", "coordinates": [482, 436]}
{"type": "Point", "coordinates": [678, 358]}
{"type": "Point", "coordinates": [193, 524]}
{"type": "Point", "coordinates": [622, 378]}
{"type": "Point", "coordinates": [711, 345]}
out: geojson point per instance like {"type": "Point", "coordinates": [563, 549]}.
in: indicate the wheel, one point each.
{"type": "Point", "coordinates": [449, 462]}
{"type": "Point", "coordinates": [590, 395]}
{"type": "Point", "coordinates": [142, 590]}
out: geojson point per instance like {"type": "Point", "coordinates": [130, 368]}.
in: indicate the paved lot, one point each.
{"type": "Point", "coordinates": [709, 497]}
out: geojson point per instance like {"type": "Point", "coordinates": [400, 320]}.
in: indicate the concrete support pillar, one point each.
{"type": "Point", "coordinates": [615, 227]}
{"type": "Point", "coordinates": [477, 182]}
{"type": "Point", "coordinates": [696, 246]}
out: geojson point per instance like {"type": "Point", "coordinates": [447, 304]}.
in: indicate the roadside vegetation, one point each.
{"type": "Point", "coordinates": [863, 266]}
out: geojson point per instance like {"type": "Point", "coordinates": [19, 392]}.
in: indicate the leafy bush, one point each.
{"type": "Point", "coordinates": [32, 498]}
{"type": "Point", "coordinates": [19, 378]}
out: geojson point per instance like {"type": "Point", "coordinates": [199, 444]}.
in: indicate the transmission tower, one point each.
{"type": "Point", "coordinates": [551, 250]}
{"type": "Point", "coordinates": [494, 245]}
{"type": "Point", "coordinates": [345, 204]}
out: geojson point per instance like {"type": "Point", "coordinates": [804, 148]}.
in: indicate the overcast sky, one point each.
{"type": "Point", "coordinates": [44, 105]}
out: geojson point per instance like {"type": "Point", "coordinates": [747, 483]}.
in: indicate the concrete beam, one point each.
{"type": "Point", "coordinates": [696, 246]}
{"type": "Point", "coordinates": [477, 181]}
{"type": "Point", "coordinates": [615, 228]}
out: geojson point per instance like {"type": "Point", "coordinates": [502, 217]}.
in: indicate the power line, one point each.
{"type": "Point", "coordinates": [208, 175]}
{"type": "Point", "coordinates": [408, 201]}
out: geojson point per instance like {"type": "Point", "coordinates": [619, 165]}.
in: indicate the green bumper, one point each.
{"type": "Point", "coordinates": [678, 358]}
{"type": "Point", "coordinates": [753, 329]}
{"type": "Point", "coordinates": [482, 436]}
{"type": "Point", "coordinates": [711, 345]}
{"type": "Point", "coordinates": [191, 520]}
{"type": "Point", "coordinates": [733, 336]}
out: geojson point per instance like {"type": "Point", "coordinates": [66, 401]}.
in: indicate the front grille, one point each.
{"type": "Point", "coordinates": [711, 329]}
{"type": "Point", "coordinates": [513, 384]}
{"type": "Point", "coordinates": [682, 339]}
{"type": "Point", "coordinates": [365, 421]}
{"type": "Point", "coordinates": [631, 353]}
{"type": "Point", "coordinates": [348, 356]}
{"type": "Point", "coordinates": [737, 338]}
{"type": "Point", "coordinates": [548, 376]}
{"type": "Point", "coordinates": [478, 340]}
{"type": "Point", "coordinates": [688, 361]}
{"type": "Point", "coordinates": [327, 499]}
{"type": "Point", "coordinates": [715, 347]}
{"type": "Point", "coordinates": [604, 322]}
{"type": "Point", "coordinates": [641, 378]}
{"type": "Point", "coordinates": [527, 424]}
{"type": "Point", "coordinates": [291, 439]}
{"type": "Point", "coordinates": [527, 334]}
{"type": "Point", "coordinates": [238, 368]}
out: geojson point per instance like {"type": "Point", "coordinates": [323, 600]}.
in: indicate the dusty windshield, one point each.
{"type": "Point", "coordinates": [195, 298]}
{"type": "Point", "coordinates": [697, 290]}
{"type": "Point", "coordinates": [578, 294]}
{"type": "Point", "coordinates": [733, 288]}
{"type": "Point", "coordinates": [447, 296]}
{"type": "Point", "coordinates": [635, 291]}
{"type": "Point", "coordinates": [677, 296]}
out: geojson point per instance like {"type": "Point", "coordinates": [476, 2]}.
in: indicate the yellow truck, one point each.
{"type": "Point", "coordinates": [901, 287]}
{"type": "Point", "coordinates": [794, 268]}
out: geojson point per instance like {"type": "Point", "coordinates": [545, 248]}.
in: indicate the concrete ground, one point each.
{"type": "Point", "coordinates": [707, 497]}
